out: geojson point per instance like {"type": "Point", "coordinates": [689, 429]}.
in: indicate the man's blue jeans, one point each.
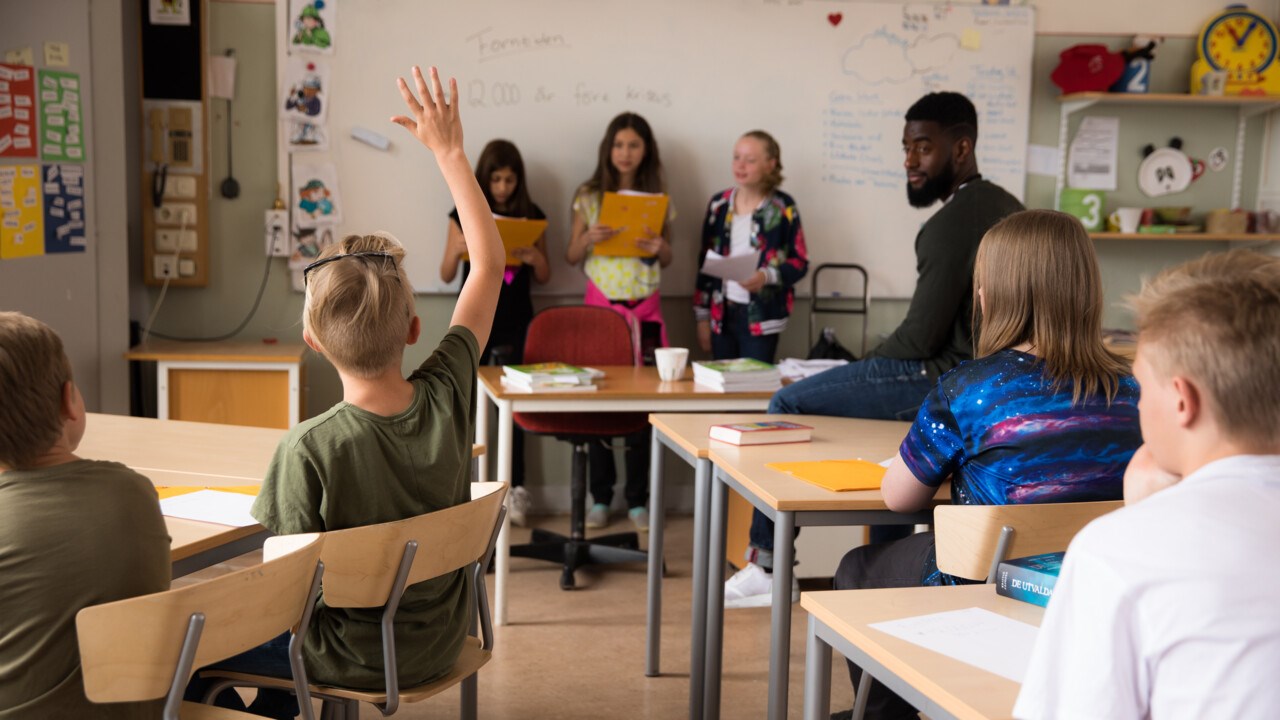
{"type": "Point", "coordinates": [271, 659]}
{"type": "Point", "coordinates": [872, 389]}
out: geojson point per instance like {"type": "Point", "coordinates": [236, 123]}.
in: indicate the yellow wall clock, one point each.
{"type": "Point", "coordinates": [1241, 44]}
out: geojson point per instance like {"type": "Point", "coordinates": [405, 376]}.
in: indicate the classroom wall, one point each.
{"type": "Point", "coordinates": [238, 262]}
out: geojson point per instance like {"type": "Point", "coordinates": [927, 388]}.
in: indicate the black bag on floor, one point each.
{"type": "Point", "coordinates": [829, 348]}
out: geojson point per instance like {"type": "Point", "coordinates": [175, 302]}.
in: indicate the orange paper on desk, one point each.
{"type": "Point", "coordinates": [837, 475]}
{"type": "Point", "coordinates": [633, 216]}
{"type": "Point", "coordinates": [168, 491]}
{"type": "Point", "coordinates": [516, 233]}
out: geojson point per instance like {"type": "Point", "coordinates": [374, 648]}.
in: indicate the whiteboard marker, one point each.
{"type": "Point", "coordinates": [370, 138]}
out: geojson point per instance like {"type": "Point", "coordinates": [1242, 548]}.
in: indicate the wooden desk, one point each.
{"type": "Point", "coordinates": [624, 388]}
{"type": "Point", "coordinates": [939, 686]}
{"type": "Point", "coordinates": [236, 383]}
{"type": "Point", "coordinates": [792, 503]}
{"type": "Point", "coordinates": [189, 454]}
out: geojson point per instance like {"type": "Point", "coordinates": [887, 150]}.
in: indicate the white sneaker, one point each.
{"type": "Point", "coordinates": [640, 517]}
{"type": "Point", "coordinates": [753, 587]}
{"type": "Point", "coordinates": [519, 506]}
{"type": "Point", "coordinates": [598, 516]}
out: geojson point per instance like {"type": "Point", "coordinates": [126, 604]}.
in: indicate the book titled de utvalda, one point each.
{"type": "Point", "coordinates": [1029, 579]}
{"type": "Point", "coordinates": [761, 433]}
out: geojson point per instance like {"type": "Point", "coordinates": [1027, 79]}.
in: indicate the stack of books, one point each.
{"type": "Point", "coordinates": [549, 377]}
{"type": "Point", "coordinates": [740, 375]}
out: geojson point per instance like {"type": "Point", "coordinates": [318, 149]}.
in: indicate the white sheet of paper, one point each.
{"type": "Point", "coordinates": [1091, 163]}
{"type": "Point", "coordinates": [213, 506]}
{"type": "Point", "coordinates": [975, 636]}
{"type": "Point", "coordinates": [734, 267]}
{"type": "Point", "coordinates": [1042, 160]}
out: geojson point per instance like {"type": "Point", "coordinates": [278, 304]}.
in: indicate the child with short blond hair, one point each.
{"type": "Point", "coordinates": [394, 448]}
{"type": "Point", "coordinates": [1166, 608]}
{"type": "Point", "coordinates": [73, 532]}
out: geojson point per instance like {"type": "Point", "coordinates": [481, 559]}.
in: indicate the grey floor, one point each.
{"type": "Point", "coordinates": [580, 654]}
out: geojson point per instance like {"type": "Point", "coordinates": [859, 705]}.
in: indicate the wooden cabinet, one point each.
{"type": "Point", "coordinates": [232, 383]}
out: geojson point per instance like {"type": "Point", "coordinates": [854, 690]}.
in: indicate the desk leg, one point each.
{"type": "Point", "coordinates": [780, 647]}
{"type": "Point", "coordinates": [817, 676]}
{"type": "Point", "coordinates": [715, 598]}
{"type": "Point", "coordinates": [698, 629]}
{"type": "Point", "coordinates": [657, 521]}
{"type": "Point", "coordinates": [482, 433]}
{"type": "Point", "coordinates": [504, 536]}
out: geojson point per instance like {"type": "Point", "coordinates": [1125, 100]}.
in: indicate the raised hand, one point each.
{"type": "Point", "coordinates": [432, 119]}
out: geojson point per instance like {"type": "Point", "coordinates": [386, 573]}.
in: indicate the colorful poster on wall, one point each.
{"type": "Point", "coordinates": [63, 208]}
{"type": "Point", "coordinates": [312, 25]}
{"type": "Point", "coordinates": [306, 90]}
{"type": "Point", "coordinates": [60, 121]}
{"type": "Point", "coordinates": [316, 200]}
{"type": "Point", "coordinates": [21, 221]}
{"type": "Point", "coordinates": [17, 111]}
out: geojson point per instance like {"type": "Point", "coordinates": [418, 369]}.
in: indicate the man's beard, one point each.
{"type": "Point", "coordinates": [934, 189]}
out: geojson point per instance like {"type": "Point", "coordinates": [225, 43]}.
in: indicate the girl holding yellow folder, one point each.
{"type": "Point", "coordinates": [500, 174]}
{"type": "Point", "coordinates": [627, 160]}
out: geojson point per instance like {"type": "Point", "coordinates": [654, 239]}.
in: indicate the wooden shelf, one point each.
{"type": "Point", "coordinates": [1191, 237]}
{"type": "Point", "coordinates": [1172, 99]}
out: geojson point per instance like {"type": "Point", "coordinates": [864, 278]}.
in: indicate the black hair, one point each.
{"type": "Point", "coordinates": [499, 154]}
{"type": "Point", "coordinates": [953, 112]}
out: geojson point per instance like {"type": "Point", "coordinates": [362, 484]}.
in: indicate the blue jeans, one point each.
{"type": "Point", "coordinates": [874, 389]}
{"type": "Point", "coordinates": [736, 341]}
{"type": "Point", "coordinates": [270, 659]}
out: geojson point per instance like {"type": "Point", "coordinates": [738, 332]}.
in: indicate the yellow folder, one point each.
{"type": "Point", "coordinates": [516, 233]}
{"type": "Point", "coordinates": [837, 475]}
{"type": "Point", "coordinates": [634, 216]}
{"type": "Point", "coordinates": [168, 491]}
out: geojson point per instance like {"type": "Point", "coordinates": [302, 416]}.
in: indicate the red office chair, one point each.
{"type": "Point", "coordinates": [580, 335]}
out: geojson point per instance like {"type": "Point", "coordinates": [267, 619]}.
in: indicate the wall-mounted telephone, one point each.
{"type": "Point", "coordinates": [175, 227]}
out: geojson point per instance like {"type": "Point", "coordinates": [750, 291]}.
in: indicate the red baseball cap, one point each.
{"type": "Point", "coordinates": [1086, 68]}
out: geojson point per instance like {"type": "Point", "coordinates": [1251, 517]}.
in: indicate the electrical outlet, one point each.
{"type": "Point", "coordinates": [186, 267]}
{"type": "Point", "coordinates": [166, 266]}
{"type": "Point", "coordinates": [277, 233]}
{"type": "Point", "coordinates": [172, 214]}
{"type": "Point", "coordinates": [180, 187]}
{"type": "Point", "coordinates": [172, 241]}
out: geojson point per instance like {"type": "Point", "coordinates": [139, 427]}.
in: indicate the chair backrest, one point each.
{"type": "Point", "coordinates": [361, 564]}
{"type": "Point", "coordinates": [579, 335]}
{"type": "Point", "coordinates": [130, 649]}
{"type": "Point", "coordinates": [972, 539]}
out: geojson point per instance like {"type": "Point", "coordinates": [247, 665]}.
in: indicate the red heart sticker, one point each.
{"type": "Point", "coordinates": [835, 18]}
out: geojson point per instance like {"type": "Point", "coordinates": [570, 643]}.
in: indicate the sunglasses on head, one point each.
{"type": "Point", "coordinates": [372, 253]}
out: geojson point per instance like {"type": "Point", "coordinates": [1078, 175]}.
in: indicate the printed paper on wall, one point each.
{"type": "Point", "coordinates": [21, 220]}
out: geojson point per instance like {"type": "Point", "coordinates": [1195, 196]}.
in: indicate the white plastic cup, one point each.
{"type": "Point", "coordinates": [1127, 219]}
{"type": "Point", "coordinates": [671, 362]}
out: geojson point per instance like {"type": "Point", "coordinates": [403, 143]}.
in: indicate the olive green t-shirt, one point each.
{"type": "Point", "coordinates": [349, 467]}
{"type": "Point", "coordinates": [78, 534]}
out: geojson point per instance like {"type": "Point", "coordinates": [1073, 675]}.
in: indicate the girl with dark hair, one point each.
{"type": "Point", "coordinates": [628, 160]}
{"type": "Point", "coordinates": [500, 174]}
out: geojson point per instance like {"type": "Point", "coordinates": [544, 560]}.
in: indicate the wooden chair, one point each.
{"type": "Point", "coordinates": [972, 540]}
{"type": "Point", "coordinates": [370, 567]}
{"type": "Point", "coordinates": [145, 648]}
{"type": "Point", "coordinates": [580, 335]}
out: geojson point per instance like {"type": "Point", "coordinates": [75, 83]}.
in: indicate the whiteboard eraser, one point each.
{"type": "Point", "coordinates": [370, 138]}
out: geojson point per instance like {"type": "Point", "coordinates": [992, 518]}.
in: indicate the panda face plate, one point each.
{"type": "Point", "coordinates": [1164, 172]}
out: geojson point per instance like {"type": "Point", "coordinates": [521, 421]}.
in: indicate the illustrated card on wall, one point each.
{"type": "Point", "coordinates": [21, 226]}
{"type": "Point", "coordinates": [61, 136]}
{"type": "Point", "coordinates": [312, 25]}
{"type": "Point", "coordinates": [306, 84]}
{"type": "Point", "coordinates": [306, 136]}
{"type": "Point", "coordinates": [304, 247]}
{"type": "Point", "coordinates": [316, 200]}
{"type": "Point", "coordinates": [17, 111]}
{"type": "Point", "coordinates": [170, 12]}
{"type": "Point", "coordinates": [63, 208]}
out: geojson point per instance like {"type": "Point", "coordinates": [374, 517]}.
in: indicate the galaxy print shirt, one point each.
{"type": "Point", "coordinates": [994, 426]}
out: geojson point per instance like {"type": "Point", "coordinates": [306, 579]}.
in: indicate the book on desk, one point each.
{"type": "Point", "coordinates": [761, 433]}
{"type": "Point", "coordinates": [549, 377]}
{"type": "Point", "coordinates": [737, 375]}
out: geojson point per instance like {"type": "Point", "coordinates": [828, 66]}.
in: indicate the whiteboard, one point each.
{"type": "Point", "coordinates": [830, 80]}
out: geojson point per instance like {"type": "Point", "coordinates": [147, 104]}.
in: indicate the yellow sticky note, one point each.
{"type": "Point", "coordinates": [835, 475]}
{"type": "Point", "coordinates": [168, 491]}
{"type": "Point", "coordinates": [971, 39]}
{"type": "Point", "coordinates": [21, 56]}
{"type": "Point", "coordinates": [57, 54]}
